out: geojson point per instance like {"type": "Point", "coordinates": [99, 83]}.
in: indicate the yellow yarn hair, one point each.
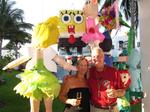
{"type": "Point", "coordinates": [46, 33]}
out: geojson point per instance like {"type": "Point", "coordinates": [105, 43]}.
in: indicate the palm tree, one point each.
{"type": "Point", "coordinates": [130, 8]}
{"type": "Point", "coordinates": [12, 23]}
{"type": "Point", "coordinates": [18, 38]}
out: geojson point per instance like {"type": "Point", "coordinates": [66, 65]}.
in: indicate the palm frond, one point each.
{"type": "Point", "coordinates": [130, 9]}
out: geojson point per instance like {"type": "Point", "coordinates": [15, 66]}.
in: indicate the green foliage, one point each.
{"type": "Point", "coordinates": [4, 61]}
{"type": "Point", "coordinates": [16, 103]}
{"type": "Point", "coordinates": [12, 25]}
{"type": "Point", "coordinates": [13, 102]}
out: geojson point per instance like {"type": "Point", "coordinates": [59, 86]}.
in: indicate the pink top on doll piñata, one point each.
{"type": "Point", "coordinates": [92, 32]}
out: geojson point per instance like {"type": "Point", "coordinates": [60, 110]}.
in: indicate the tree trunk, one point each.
{"type": "Point", "coordinates": [133, 18]}
{"type": "Point", "coordinates": [16, 51]}
{"type": "Point", "coordinates": [1, 41]}
{"type": "Point", "coordinates": [17, 47]}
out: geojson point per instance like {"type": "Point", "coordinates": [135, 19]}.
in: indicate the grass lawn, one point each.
{"type": "Point", "coordinates": [16, 103]}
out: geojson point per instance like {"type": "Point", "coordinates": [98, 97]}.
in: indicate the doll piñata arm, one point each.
{"type": "Point", "coordinates": [63, 63]}
{"type": "Point", "coordinates": [16, 62]}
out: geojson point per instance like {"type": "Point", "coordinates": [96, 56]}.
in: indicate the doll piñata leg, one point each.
{"type": "Point", "coordinates": [34, 105]}
{"type": "Point", "coordinates": [48, 104]}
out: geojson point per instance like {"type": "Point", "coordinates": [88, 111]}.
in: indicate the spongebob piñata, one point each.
{"type": "Point", "coordinates": [71, 29]}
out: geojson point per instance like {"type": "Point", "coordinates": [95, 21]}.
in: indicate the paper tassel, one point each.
{"type": "Point", "coordinates": [116, 5]}
{"type": "Point", "coordinates": [131, 36]}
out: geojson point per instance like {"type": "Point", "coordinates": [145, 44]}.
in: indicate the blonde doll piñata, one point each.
{"type": "Point", "coordinates": [37, 81]}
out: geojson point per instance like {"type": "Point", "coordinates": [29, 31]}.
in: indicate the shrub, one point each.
{"type": "Point", "coordinates": [4, 61]}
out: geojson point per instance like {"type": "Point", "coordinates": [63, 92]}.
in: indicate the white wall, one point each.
{"type": "Point", "coordinates": [145, 49]}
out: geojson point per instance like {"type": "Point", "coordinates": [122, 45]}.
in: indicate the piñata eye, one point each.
{"type": "Point", "coordinates": [87, 2]}
{"type": "Point", "coordinates": [78, 18]}
{"type": "Point", "coordinates": [66, 18]}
